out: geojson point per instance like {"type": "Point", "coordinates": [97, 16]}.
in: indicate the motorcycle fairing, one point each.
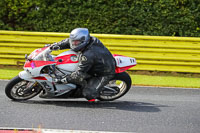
{"type": "Point", "coordinates": [34, 67]}
{"type": "Point", "coordinates": [47, 82]}
{"type": "Point", "coordinates": [35, 63]}
{"type": "Point", "coordinates": [122, 69]}
{"type": "Point", "coordinates": [26, 76]}
{"type": "Point", "coordinates": [69, 61]}
{"type": "Point", "coordinates": [59, 60]}
{"type": "Point", "coordinates": [66, 59]}
{"type": "Point", "coordinates": [123, 63]}
{"type": "Point", "coordinates": [39, 78]}
{"type": "Point", "coordinates": [59, 89]}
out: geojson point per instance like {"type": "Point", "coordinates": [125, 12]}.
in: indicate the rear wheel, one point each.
{"type": "Point", "coordinates": [116, 88]}
{"type": "Point", "coordinates": [19, 89]}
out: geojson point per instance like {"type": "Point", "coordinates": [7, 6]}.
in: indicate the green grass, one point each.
{"type": "Point", "coordinates": [144, 80]}
{"type": "Point", "coordinates": [9, 73]}
{"type": "Point", "coordinates": [167, 81]}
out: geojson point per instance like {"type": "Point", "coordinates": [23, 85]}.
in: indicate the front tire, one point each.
{"type": "Point", "coordinates": [16, 89]}
{"type": "Point", "coordinates": [122, 82]}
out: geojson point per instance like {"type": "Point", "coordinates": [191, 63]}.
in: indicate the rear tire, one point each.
{"type": "Point", "coordinates": [16, 87]}
{"type": "Point", "coordinates": [123, 82]}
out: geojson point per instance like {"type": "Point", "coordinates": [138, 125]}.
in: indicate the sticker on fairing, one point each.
{"type": "Point", "coordinates": [83, 58]}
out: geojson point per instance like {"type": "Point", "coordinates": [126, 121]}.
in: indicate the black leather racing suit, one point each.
{"type": "Point", "coordinates": [97, 67]}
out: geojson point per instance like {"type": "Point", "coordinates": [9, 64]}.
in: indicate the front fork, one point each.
{"type": "Point", "coordinates": [30, 87]}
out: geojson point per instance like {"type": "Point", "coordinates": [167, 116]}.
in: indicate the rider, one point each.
{"type": "Point", "coordinates": [96, 63]}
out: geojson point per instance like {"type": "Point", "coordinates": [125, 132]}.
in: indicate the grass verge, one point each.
{"type": "Point", "coordinates": [166, 81]}
{"type": "Point", "coordinates": [9, 73]}
{"type": "Point", "coordinates": [144, 80]}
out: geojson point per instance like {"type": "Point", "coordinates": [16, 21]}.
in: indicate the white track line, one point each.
{"type": "Point", "coordinates": [35, 130]}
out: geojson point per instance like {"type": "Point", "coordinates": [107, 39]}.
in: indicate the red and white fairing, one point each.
{"type": "Point", "coordinates": [123, 63]}
{"type": "Point", "coordinates": [67, 61]}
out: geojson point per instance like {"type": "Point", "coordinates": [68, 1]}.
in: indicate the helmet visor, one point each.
{"type": "Point", "coordinates": [74, 43]}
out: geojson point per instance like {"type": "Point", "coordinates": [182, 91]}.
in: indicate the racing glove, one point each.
{"type": "Point", "coordinates": [47, 45]}
{"type": "Point", "coordinates": [54, 47]}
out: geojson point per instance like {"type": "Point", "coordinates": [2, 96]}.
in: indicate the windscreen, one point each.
{"type": "Point", "coordinates": [38, 54]}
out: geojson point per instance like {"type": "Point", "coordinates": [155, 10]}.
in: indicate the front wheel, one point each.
{"type": "Point", "coordinates": [116, 88]}
{"type": "Point", "coordinates": [18, 89]}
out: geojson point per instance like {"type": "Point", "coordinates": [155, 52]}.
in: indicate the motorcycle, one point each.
{"type": "Point", "coordinates": [41, 69]}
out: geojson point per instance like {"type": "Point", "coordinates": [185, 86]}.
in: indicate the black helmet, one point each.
{"type": "Point", "coordinates": [79, 38]}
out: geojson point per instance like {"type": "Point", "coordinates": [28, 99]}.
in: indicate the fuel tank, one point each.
{"type": "Point", "coordinates": [67, 61]}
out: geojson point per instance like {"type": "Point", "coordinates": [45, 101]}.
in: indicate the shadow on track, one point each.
{"type": "Point", "coordinates": [114, 105]}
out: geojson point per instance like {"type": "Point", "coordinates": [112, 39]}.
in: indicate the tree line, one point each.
{"type": "Point", "coordinates": [129, 17]}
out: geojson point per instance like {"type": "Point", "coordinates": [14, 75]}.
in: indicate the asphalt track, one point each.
{"type": "Point", "coordinates": [142, 110]}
